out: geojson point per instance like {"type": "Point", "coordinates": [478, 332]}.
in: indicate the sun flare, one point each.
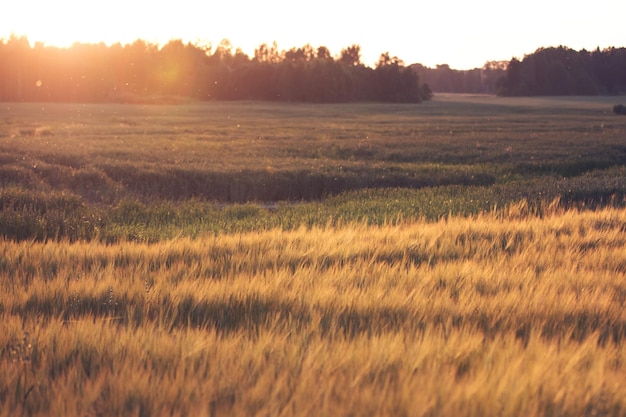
{"type": "Point", "coordinates": [461, 34]}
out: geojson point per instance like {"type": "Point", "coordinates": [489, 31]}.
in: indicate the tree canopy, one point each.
{"type": "Point", "coordinates": [142, 71]}
{"type": "Point", "coordinates": [443, 79]}
{"type": "Point", "coordinates": [564, 71]}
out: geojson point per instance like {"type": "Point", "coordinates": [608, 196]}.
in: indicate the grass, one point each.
{"type": "Point", "coordinates": [499, 314]}
{"type": "Point", "coordinates": [457, 258]}
{"type": "Point", "coordinates": [238, 152]}
{"type": "Point", "coordinates": [110, 171]}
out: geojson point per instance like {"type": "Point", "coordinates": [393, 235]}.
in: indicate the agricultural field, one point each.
{"type": "Point", "coordinates": [110, 171]}
{"type": "Point", "coordinates": [461, 257]}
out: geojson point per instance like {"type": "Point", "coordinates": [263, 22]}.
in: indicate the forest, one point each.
{"type": "Point", "coordinates": [563, 71]}
{"type": "Point", "coordinates": [553, 71]}
{"type": "Point", "coordinates": [443, 79]}
{"type": "Point", "coordinates": [145, 72]}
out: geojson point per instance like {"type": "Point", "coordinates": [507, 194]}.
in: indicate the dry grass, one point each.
{"type": "Point", "coordinates": [502, 314]}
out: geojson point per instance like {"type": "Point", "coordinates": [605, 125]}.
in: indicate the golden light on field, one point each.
{"type": "Point", "coordinates": [462, 34]}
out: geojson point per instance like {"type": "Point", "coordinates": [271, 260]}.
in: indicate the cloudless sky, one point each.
{"type": "Point", "coordinates": [464, 34]}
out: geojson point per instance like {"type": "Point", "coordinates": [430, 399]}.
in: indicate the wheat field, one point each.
{"type": "Point", "coordinates": [504, 313]}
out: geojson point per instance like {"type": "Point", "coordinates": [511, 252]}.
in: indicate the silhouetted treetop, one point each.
{"type": "Point", "coordinates": [351, 56]}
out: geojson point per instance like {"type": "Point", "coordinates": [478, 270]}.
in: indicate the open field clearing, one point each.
{"type": "Point", "coordinates": [239, 152]}
{"type": "Point", "coordinates": [461, 257]}
{"type": "Point", "coordinates": [502, 314]}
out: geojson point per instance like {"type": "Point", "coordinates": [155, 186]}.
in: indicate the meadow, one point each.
{"type": "Point", "coordinates": [462, 257]}
{"type": "Point", "coordinates": [110, 171]}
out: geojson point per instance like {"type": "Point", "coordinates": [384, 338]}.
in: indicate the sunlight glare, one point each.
{"type": "Point", "coordinates": [462, 34]}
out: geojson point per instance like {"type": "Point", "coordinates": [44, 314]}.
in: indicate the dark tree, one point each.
{"type": "Point", "coordinates": [395, 83]}
{"type": "Point", "coordinates": [351, 56]}
{"type": "Point", "coordinates": [323, 53]}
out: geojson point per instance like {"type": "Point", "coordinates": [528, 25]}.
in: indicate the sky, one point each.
{"type": "Point", "coordinates": [461, 33]}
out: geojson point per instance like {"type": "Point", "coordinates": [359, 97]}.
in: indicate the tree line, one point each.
{"type": "Point", "coordinates": [443, 79]}
{"type": "Point", "coordinates": [142, 71]}
{"type": "Point", "coordinates": [564, 71]}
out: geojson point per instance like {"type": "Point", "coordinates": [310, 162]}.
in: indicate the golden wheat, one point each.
{"type": "Point", "coordinates": [504, 314]}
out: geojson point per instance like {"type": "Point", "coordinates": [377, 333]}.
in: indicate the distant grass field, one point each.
{"type": "Point", "coordinates": [138, 171]}
{"type": "Point", "coordinates": [461, 257]}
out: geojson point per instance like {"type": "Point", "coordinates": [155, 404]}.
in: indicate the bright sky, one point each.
{"type": "Point", "coordinates": [464, 34]}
